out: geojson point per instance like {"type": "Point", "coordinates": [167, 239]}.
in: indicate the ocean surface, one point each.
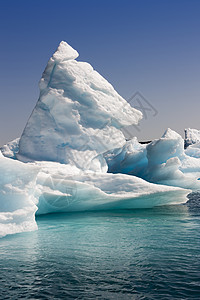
{"type": "Point", "coordinates": [132, 254]}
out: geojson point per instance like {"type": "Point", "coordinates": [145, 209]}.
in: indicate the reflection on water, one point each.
{"type": "Point", "coordinates": [138, 254]}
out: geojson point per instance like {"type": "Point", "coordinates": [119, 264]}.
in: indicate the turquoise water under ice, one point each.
{"type": "Point", "coordinates": [138, 254]}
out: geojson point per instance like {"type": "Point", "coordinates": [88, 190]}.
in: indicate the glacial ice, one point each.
{"type": "Point", "coordinates": [163, 161]}
{"type": "Point", "coordinates": [58, 192]}
{"type": "Point", "coordinates": [73, 156]}
{"type": "Point", "coordinates": [193, 150]}
{"type": "Point", "coordinates": [44, 187]}
{"type": "Point", "coordinates": [130, 159]}
{"type": "Point", "coordinates": [192, 136]}
{"type": "Point", "coordinates": [168, 164]}
{"type": "Point", "coordinates": [78, 115]}
{"type": "Point", "coordinates": [192, 142]}
{"type": "Point", "coordinates": [11, 149]}
{"type": "Point", "coordinates": [17, 201]}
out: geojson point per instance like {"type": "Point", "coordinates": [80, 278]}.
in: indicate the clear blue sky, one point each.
{"type": "Point", "coordinates": [147, 46]}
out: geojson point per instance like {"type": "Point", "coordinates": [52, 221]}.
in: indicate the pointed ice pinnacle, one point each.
{"type": "Point", "coordinates": [78, 116]}
{"type": "Point", "coordinates": [64, 52]}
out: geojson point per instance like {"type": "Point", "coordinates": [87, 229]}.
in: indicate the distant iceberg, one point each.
{"type": "Point", "coordinates": [192, 136]}
{"type": "Point", "coordinates": [11, 149]}
{"type": "Point", "coordinates": [192, 142]}
{"type": "Point", "coordinates": [73, 156]}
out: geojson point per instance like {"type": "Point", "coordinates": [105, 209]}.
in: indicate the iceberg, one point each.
{"type": "Point", "coordinates": [78, 115]}
{"type": "Point", "coordinates": [60, 191]}
{"type": "Point", "coordinates": [192, 136]}
{"type": "Point", "coordinates": [163, 161]}
{"type": "Point", "coordinates": [44, 187]}
{"type": "Point", "coordinates": [11, 149]}
{"type": "Point", "coordinates": [17, 201]}
{"type": "Point", "coordinates": [168, 164]}
{"type": "Point", "coordinates": [73, 156]}
{"type": "Point", "coordinates": [192, 142]}
{"type": "Point", "coordinates": [193, 150]}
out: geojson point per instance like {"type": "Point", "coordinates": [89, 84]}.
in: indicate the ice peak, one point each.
{"type": "Point", "coordinates": [170, 134]}
{"type": "Point", "coordinates": [78, 116]}
{"type": "Point", "coordinates": [65, 52]}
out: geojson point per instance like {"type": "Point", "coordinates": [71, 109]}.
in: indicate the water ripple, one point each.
{"type": "Point", "coordinates": [141, 254]}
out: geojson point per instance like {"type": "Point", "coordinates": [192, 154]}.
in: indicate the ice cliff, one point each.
{"type": "Point", "coordinates": [73, 156]}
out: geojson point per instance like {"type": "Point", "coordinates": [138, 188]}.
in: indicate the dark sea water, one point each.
{"type": "Point", "coordinates": [135, 254]}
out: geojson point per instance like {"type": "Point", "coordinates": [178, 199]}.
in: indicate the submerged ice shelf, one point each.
{"type": "Point", "coordinates": [73, 156]}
